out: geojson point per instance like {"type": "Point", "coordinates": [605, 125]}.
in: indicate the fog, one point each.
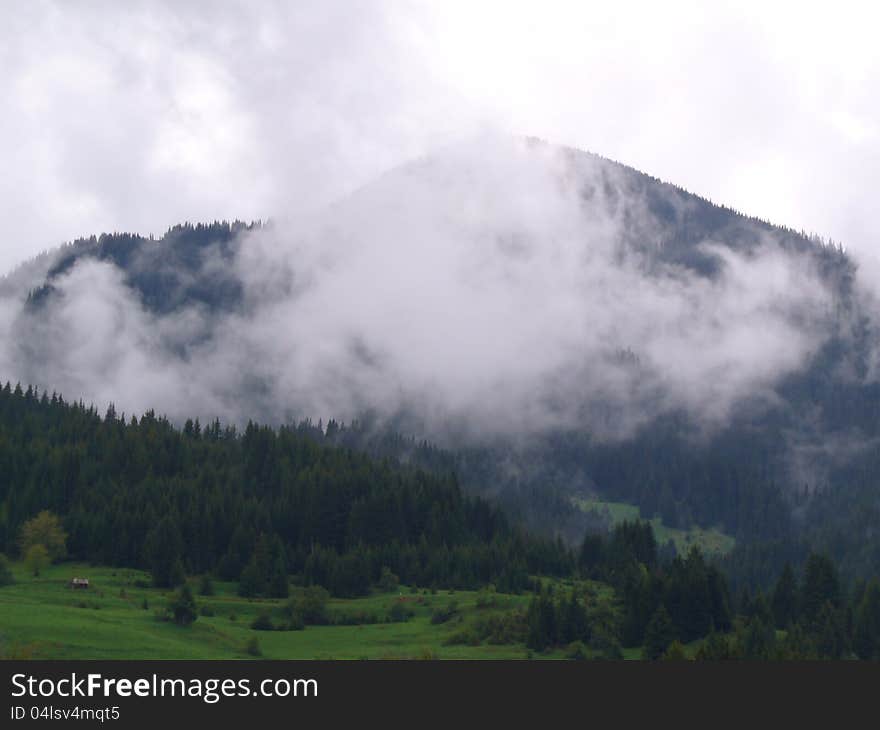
{"type": "Point", "coordinates": [478, 289]}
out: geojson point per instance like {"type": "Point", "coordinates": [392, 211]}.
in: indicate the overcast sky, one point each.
{"type": "Point", "coordinates": [136, 116]}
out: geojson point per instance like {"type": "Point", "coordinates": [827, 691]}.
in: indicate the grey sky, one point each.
{"type": "Point", "coordinates": [138, 115]}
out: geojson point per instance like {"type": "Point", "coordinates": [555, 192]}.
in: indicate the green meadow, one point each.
{"type": "Point", "coordinates": [708, 540]}
{"type": "Point", "coordinates": [115, 618]}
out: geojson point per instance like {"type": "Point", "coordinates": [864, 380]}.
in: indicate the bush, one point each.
{"type": "Point", "coordinates": [253, 647]}
{"type": "Point", "coordinates": [207, 611]}
{"type": "Point", "coordinates": [294, 623]}
{"type": "Point", "coordinates": [442, 615]}
{"type": "Point", "coordinates": [262, 623]}
{"type": "Point", "coordinates": [487, 597]}
{"type": "Point", "coordinates": [467, 636]}
{"type": "Point", "coordinates": [356, 618]}
{"type": "Point", "coordinates": [399, 613]}
{"type": "Point", "coordinates": [576, 650]}
{"type": "Point", "coordinates": [183, 606]}
{"type": "Point", "coordinates": [310, 605]}
{"type": "Point", "coordinates": [605, 646]}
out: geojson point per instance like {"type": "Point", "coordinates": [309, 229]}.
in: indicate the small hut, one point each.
{"type": "Point", "coordinates": [79, 583]}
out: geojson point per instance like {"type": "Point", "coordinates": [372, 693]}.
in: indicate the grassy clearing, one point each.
{"type": "Point", "coordinates": [43, 618]}
{"type": "Point", "coordinates": [708, 540]}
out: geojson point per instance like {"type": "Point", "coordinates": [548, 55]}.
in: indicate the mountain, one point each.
{"type": "Point", "coordinates": [559, 324]}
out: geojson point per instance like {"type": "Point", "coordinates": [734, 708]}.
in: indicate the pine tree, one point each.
{"type": "Point", "coordinates": [659, 634]}
{"type": "Point", "coordinates": [784, 600]}
{"type": "Point", "coordinates": [866, 640]}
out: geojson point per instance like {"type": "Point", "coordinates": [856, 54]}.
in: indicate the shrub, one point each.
{"type": "Point", "coordinates": [183, 606]}
{"type": "Point", "coordinates": [310, 605]}
{"type": "Point", "coordinates": [487, 597]}
{"type": "Point", "coordinates": [467, 636]}
{"type": "Point", "coordinates": [253, 647]}
{"type": "Point", "coordinates": [443, 614]}
{"type": "Point", "coordinates": [399, 613]}
{"type": "Point", "coordinates": [262, 623]}
{"type": "Point", "coordinates": [207, 611]}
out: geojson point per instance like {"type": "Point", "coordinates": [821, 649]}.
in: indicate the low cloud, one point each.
{"type": "Point", "coordinates": [499, 287]}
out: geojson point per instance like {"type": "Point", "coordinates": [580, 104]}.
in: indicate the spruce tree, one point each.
{"type": "Point", "coordinates": [659, 634]}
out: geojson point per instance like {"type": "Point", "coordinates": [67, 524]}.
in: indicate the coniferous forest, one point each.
{"type": "Point", "coordinates": [265, 506]}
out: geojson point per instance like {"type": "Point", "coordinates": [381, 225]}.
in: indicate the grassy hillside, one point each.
{"type": "Point", "coordinates": [709, 541]}
{"type": "Point", "coordinates": [43, 618]}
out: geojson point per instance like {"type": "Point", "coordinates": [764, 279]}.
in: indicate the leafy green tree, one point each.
{"type": "Point", "coordinates": [310, 605]}
{"type": "Point", "coordinates": [37, 559]}
{"type": "Point", "coordinates": [45, 529]}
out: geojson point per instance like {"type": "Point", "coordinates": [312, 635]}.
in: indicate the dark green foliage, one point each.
{"type": "Point", "coordinates": [263, 622]}
{"type": "Point", "coordinates": [256, 506]}
{"type": "Point", "coordinates": [399, 612]}
{"type": "Point", "coordinates": [6, 577]}
{"type": "Point", "coordinates": [253, 647]}
{"type": "Point", "coordinates": [820, 586]}
{"type": "Point", "coordinates": [162, 550]}
{"type": "Point", "coordinates": [541, 621]}
{"type": "Point", "coordinates": [443, 614]}
{"type": "Point", "coordinates": [716, 647]}
{"type": "Point", "coordinates": [757, 640]}
{"type": "Point", "coordinates": [183, 606]}
{"type": "Point", "coordinates": [388, 581]}
{"type": "Point", "coordinates": [206, 586]}
{"type": "Point", "coordinates": [659, 634]}
{"type": "Point", "coordinates": [310, 605]}
{"type": "Point", "coordinates": [866, 641]}
{"type": "Point", "coordinates": [785, 598]}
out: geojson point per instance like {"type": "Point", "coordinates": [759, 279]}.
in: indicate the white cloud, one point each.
{"type": "Point", "coordinates": [138, 115]}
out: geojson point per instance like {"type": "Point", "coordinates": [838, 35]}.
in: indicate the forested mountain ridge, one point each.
{"type": "Point", "coordinates": [141, 493]}
{"type": "Point", "coordinates": [262, 507]}
{"type": "Point", "coordinates": [633, 342]}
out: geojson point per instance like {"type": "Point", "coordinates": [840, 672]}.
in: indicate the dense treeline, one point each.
{"type": "Point", "coordinates": [264, 505]}
{"type": "Point", "coordinates": [254, 505]}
